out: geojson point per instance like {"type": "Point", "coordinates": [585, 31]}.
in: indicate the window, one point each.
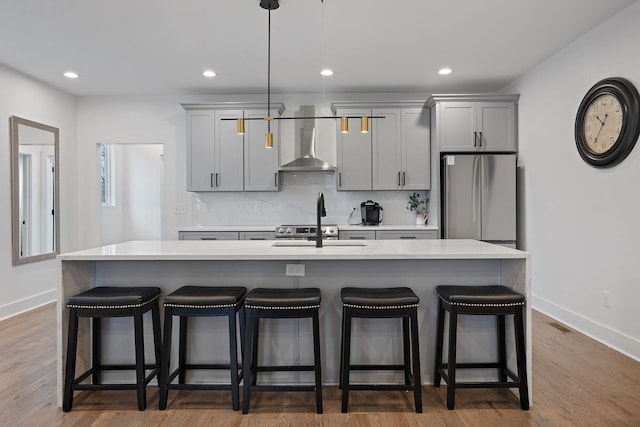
{"type": "Point", "coordinates": [107, 175]}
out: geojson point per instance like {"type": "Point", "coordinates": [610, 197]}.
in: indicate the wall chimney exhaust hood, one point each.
{"type": "Point", "coordinates": [305, 145]}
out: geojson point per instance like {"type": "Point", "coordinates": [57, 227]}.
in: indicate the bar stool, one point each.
{"type": "Point", "coordinates": [200, 301]}
{"type": "Point", "coordinates": [280, 303]}
{"type": "Point", "coordinates": [398, 302]}
{"type": "Point", "coordinates": [100, 302]}
{"type": "Point", "coordinates": [481, 300]}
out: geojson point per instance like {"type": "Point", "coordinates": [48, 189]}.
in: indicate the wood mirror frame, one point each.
{"type": "Point", "coordinates": [28, 133]}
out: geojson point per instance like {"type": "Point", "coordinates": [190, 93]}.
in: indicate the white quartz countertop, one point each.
{"type": "Point", "coordinates": [390, 227]}
{"type": "Point", "coordinates": [262, 250]}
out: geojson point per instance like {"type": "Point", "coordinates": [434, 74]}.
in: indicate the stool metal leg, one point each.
{"type": "Point", "coordinates": [439, 345]}
{"type": "Point", "coordinates": [254, 352]}
{"type": "Point", "coordinates": [406, 350]}
{"type": "Point", "coordinates": [182, 350]}
{"type": "Point", "coordinates": [157, 335]}
{"type": "Point", "coordinates": [166, 359]}
{"type": "Point", "coordinates": [502, 350]}
{"type": "Point", "coordinates": [346, 360]}
{"type": "Point", "coordinates": [415, 347]}
{"type": "Point", "coordinates": [140, 371]}
{"type": "Point", "coordinates": [317, 363]}
{"type": "Point", "coordinates": [96, 352]}
{"type": "Point", "coordinates": [70, 371]}
{"type": "Point", "coordinates": [233, 357]}
{"type": "Point", "coordinates": [341, 349]}
{"type": "Point", "coordinates": [247, 369]}
{"type": "Point", "coordinates": [451, 371]}
{"type": "Point", "coordinates": [522, 362]}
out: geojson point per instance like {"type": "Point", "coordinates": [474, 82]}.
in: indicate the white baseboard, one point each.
{"type": "Point", "coordinates": [26, 304]}
{"type": "Point", "coordinates": [616, 340]}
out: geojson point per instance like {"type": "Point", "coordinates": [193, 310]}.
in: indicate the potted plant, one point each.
{"type": "Point", "coordinates": [419, 206]}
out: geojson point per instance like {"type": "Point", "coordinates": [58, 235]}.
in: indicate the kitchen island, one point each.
{"type": "Point", "coordinates": [419, 264]}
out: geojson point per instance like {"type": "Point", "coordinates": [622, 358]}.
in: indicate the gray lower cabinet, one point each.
{"type": "Point", "coordinates": [257, 235]}
{"type": "Point", "coordinates": [394, 155]}
{"type": "Point", "coordinates": [387, 234]}
{"type": "Point", "coordinates": [475, 123]}
{"type": "Point", "coordinates": [357, 234]}
{"type": "Point", "coordinates": [402, 235]}
{"type": "Point", "coordinates": [207, 235]}
{"type": "Point", "coordinates": [218, 159]}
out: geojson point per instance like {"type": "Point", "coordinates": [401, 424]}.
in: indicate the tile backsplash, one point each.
{"type": "Point", "coordinates": [295, 203]}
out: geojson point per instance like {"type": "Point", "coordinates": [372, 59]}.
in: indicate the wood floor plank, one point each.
{"type": "Point", "coordinates": [576, 381]}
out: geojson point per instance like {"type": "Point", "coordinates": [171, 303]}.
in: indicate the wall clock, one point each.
{"type": "Point", "coordinates": [608, 122]}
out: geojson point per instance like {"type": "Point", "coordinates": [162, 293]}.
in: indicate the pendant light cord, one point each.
{"type": "Point", "coordinates": [269, 73]}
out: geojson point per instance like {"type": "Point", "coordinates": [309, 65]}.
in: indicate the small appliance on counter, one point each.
{"type": "Point", "coordinates": [371, 213]}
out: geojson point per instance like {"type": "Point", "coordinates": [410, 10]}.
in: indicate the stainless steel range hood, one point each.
{"type": "Point", "coordinates": [306, 160]}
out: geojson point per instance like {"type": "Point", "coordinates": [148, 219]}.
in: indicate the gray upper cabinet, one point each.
{"type": "Point", "coordinates": [395, 155]}
{"type": "Point", "coordinates": [476, 123]}
{"type": "Point", "coordinates": [353, 153]}
{"type": "Point", "coordinates": [218, 159]}
{"type": "Point", "coordinates": [260, 163]}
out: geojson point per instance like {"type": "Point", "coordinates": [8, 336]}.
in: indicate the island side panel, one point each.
{"type": "Point", "coordinates": [516, 274]}
{"type": "Point", "coordinates": [73, 277]}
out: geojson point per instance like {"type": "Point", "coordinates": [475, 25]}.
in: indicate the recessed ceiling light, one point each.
{"type": "Point", "coordinates": [209, 73]}
{"type": "Point", "coordinates": [444, 71]}
{"type": "Point", "coordinates": [326, 72]}
{"type": "Point", "coordinates": [71, 75]}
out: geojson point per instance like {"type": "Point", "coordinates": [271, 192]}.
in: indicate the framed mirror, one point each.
{"type": "Point", "coordinates": [35, 228]}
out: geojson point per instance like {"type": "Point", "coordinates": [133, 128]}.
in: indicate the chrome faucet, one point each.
{"type": "Point", "coordinates": [320, 213]}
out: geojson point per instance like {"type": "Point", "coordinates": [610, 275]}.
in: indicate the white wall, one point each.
{"type": "Point", "coordinates": [581, 224]}
{"type": "Point", "coordinates": [26, 286]}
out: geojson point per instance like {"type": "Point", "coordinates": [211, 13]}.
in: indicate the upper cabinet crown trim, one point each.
{"type": "Point", "coordinates": [510, 97]}
{"type": "Point", "coordinates": [381, 104]}
{"type": "Point", "coordinates": [279, 106]}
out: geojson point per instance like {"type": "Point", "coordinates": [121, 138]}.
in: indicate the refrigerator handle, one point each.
{"type": "Point", "coordinates": [476, 184]}
{"type": "Point", "coordinates": [447, 196]}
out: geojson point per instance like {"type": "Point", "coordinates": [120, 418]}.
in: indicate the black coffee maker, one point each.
{"type": "Point", "coordinates": [371, 213]}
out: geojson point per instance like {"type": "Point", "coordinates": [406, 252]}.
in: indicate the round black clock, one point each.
{"type": "Point", "coordinates": [608, 122]}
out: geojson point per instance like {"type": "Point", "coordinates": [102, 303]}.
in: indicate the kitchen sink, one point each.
{"type": "Point", "coordinates": [312, 244]}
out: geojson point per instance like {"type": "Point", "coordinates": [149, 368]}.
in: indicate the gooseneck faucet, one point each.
{"type": "Point", "coordinates": [320, 212]}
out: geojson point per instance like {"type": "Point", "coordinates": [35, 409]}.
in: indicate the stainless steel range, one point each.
{"type": "Point", "coordinates": [305, 232]}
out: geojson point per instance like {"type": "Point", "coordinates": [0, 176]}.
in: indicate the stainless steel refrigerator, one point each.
{"type": "Point", "coordinates": [479, 197]}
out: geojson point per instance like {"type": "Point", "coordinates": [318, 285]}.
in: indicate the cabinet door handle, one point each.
{"type": "Point", "coordinates": [398, 179]}
{"type": "Point", "coordinates": [339, 179]}
{"type": "Point", "coordinates": [475, 138]}
{"type": "Point", "coordinates": [404, 179]}
{"type": "Point", "coordinates": [357, 238]}
{"type": "Point", "coordinates": [480, 141]}
{"type": "Point", "coordinates": [208, 238]}
{"type": "Point", "coordinates": [217, 179]}
{"type": "Point", "coordinates": [211, 179]}
{"type": "Point", "coordinates": [275, 179]}
{"type": "Point", "coordinates": [257, 238]}
{"type": "Point", "coordinates": [407, 237]}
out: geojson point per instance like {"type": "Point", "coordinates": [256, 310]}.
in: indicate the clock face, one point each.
{"type": "Point", "coordinates": [607, 125]}
{"type": "Point", "coordinates": [603, 123]}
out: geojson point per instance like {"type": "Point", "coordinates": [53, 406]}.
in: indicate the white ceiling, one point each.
{"type": "Point", "coordinates": [163, 46]}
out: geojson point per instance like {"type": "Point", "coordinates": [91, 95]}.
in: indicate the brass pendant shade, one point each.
{"type": "Point", "coordinates": [241, 126]}
{"type": "Point", "coordinates": [268, 140]}
{"type": "Point", "coordinates": [364, 124]}
{"type": "Point", "coordinates": [344, 125]}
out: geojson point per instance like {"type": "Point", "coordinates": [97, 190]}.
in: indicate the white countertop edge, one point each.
{"type": "Point", "coordinates": [185, 250]}
{"type": "Point", "coordinates": [390, 227]}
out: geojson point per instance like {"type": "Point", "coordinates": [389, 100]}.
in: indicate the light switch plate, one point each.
{"type": "Point", "coordinates": [295, 270]}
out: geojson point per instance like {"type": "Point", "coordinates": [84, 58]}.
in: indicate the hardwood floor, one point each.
{"type": "Point", "coordinates": [576, 381]}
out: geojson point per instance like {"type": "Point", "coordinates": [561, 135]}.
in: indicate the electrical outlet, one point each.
{"type": "Point", "coordinates": [295, 270]}
{"type": "Point", "coordinates": [257, 208]}
{"type": "Point", "coordinates": [606, 299]}
{"type": "Point", "coordinates": [181, 209]}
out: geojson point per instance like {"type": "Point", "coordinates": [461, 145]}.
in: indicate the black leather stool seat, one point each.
{"type": "Point", "coordinates": [113, 297]}
{"type": "Point", "coordinates": [205, 297]}
{"type": "Point", "coordinates": [280, 303]}
{"type": "Point", "coordinates": [384, 298]}
{"type": "Point", "coordinates": [480, 296]}
{"type": "Point", "coordinates": [401, 303]}
{"type": "Point", "coordinates": [277, 299]}
{"type": "Point", "coordinates": [112, 301]}
{"type": "Point", "coordinates": [498, 301]}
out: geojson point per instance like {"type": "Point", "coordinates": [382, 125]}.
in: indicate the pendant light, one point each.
{"type": "Point", "coordinates": [270, 5]}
